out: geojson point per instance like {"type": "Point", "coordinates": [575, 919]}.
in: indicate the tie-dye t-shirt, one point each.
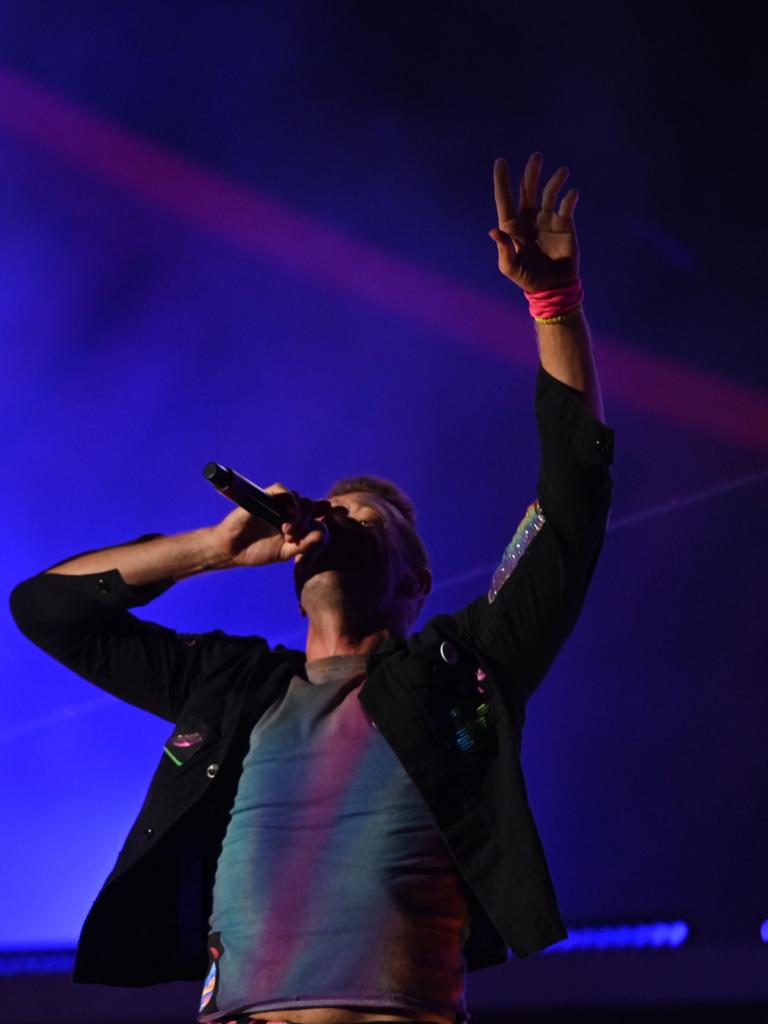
{"type": "Point", "coordinates": [334, 886]}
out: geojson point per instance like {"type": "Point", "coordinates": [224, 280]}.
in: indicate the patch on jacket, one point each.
{"type": "Point", "coordinates": [466, 726]}
{"type": "Point", "coordinates": [530, 524]}
{"type": "Point", "coordinates": [186, 739]}
{"type": "Point", "coordinates": [460, 711]}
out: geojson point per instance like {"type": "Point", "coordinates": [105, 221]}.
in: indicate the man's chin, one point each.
{"type": "Point", "coordinates": [312, 570]}
{"type": "Point", "coordinates": [333, 557]}
{"type": "Point", "coordinates": [319, 572]}
{"type": "Point", "coordinates": [315, 577]}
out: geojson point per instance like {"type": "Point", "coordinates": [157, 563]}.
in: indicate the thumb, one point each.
{"type": "Point", "coordinates": [504, 242]}
{"type": "Point", "coordinates": [499, 236]}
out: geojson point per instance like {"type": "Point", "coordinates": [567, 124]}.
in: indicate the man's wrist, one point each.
{"type": "Point", "coordinates": [554, 305]}
{"type": "Point", "coordinates": [211, 556]}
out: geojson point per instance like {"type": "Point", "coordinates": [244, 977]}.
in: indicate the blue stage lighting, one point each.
{"type": "Point", "coordinates": [625, 936]}
{"type": "Point", "coordinates": [33, 962]}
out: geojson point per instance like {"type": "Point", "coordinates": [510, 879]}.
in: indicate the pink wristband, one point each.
{"type": "Point", "coordinates": [556, 301]}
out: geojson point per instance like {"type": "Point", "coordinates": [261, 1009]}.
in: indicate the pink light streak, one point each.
{"type": "Point", "coordinates": [691, 398]}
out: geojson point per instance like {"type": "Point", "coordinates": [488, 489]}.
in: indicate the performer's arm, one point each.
{"type": "Point", "coordinates": [536, 594]}
{"type": "Point", "coordinates": [538, 251]}
{"type": "Point", "coordinates": [238, 540]}
{"type": "Point", "coordinates": [84, 622]}
{"type": "Point", "coordinates": [158, 559]}
{"type": "Point", "coordinates": [565, 351]}
{"type": "Point", "coordinates": [78, 610]}
{"type": "Point", "coordinates": [538, 589]}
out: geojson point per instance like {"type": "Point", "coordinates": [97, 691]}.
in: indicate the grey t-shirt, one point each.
{"type": "Point", "coordinates": [334, 886]}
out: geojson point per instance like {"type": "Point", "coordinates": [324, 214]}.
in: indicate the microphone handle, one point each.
{"type": "Point", "coordinates": [245, 493]}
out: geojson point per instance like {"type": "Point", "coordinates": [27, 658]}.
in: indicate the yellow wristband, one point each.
{"type": "Point", "coordinates": [557, 319]}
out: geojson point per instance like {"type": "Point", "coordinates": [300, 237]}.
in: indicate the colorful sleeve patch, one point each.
{"type": "Point", "coordinates": [531, 523]}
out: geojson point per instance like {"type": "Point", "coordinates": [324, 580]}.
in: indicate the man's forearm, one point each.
{"type": "Point", "coordinates": [565, 351]}
{"type": "Point", "coordinates": [162, 558]}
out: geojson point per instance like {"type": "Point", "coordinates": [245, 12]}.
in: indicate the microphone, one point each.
{"type": "Point", "coordinates": [254, 499]}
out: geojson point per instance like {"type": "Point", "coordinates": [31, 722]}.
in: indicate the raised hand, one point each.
{"type": "Point", "coordinates": [537, 246]}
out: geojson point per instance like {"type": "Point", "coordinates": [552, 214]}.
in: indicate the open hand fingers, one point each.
{"type": "Point", "coordinates": [550, 190]}
{"type": "Point", "coordinates": [527, 237]}
{"type": "Point", "coordinates": [530, 181]}
{"type": "Point", "coordinates": [505, 204]}
{"type": "Point", "coordinates": [568, 204]}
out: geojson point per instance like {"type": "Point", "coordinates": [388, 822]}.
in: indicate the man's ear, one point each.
{"type": "Point", "coordinates": [425, 580]}
{"type": "Point", "coordinates": [418, 583]}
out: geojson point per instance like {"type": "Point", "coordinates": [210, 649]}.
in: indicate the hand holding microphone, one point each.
{"type": "Point", "coordinates": [271, 524]}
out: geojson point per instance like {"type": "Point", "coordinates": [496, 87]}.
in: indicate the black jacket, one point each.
{"type": "Point", "coordinates": [459, 744]}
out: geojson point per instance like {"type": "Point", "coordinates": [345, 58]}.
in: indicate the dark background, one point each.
{"type": "Point", "coordinates": [257, 233]}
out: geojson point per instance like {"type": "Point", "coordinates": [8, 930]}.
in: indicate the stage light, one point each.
{"type": "Point", "coordinates": [33, 962]}
{"type": "Point", "coordinates": [654, 934]}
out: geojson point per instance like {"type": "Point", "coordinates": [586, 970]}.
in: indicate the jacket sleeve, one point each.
{"type": "Point", "coordinates": [537, 592]}
{"type": "Point", "coordinates": [84, 623]}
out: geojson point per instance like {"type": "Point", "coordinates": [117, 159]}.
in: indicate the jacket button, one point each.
{"type": "Point", "coordinates": [149, 832]}
{"type": "Point", "coordinates": [211, 770]}
{"type": "Point", "coordinates": [448, 653]}
{"type": "Point", "coordinates": [602, 446]}
{"type": "Point", "coordinates": [104, 587]}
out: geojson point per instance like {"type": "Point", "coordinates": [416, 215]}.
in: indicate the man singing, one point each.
{"type": "Point", "coordinates": [338, 835]}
